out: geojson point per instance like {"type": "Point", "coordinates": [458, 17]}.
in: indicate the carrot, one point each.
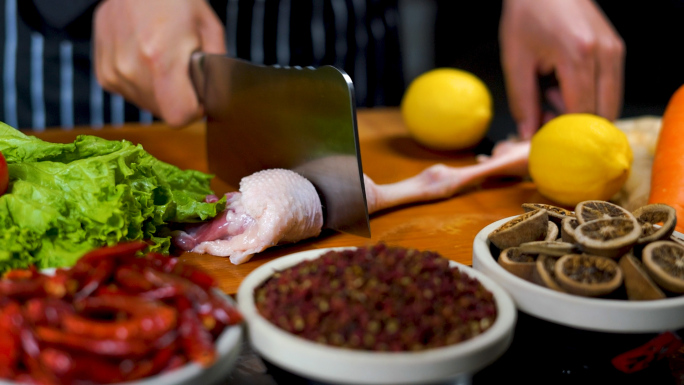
{"type": "Point", "coordinates": [667, 174]}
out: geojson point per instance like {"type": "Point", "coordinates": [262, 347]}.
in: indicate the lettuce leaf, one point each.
{"type": "Point", "coordinates": [66, 199]}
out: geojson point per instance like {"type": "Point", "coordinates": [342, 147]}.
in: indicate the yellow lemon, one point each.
{"type": "Point", "coordinates": [447, 109]}
{"type": "Point", "coordinates": [578, 157]}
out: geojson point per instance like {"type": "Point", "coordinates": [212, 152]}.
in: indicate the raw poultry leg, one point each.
{"type": "Point", "coordinates": [273, 206]}
{"type": "Point", "coordinates": [440, 181]}
{"type": "Point", "coordinates": [280, 206]}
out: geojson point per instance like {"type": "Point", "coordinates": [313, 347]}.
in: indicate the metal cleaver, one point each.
{"type": "Point", "coordinates": [302, 119]}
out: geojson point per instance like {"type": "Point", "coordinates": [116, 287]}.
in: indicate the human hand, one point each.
{"type": "Point", "coordinates": [572, 39]}
{"type": "Point", "coordinates": [142, 51]}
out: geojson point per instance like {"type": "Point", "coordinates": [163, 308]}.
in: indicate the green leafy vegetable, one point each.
{"type": "Point", "coordinates": [66, 199]}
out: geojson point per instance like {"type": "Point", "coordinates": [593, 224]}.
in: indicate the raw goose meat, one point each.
{"type": "Point", "coordinates": [273, 206]}
{"type": "Point", "coordinates": [280, 206]}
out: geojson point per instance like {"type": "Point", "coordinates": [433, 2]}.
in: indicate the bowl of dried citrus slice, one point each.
{"type": "Point", "coordinates": [607, 269]}
{"type": "Point", "coordinates": [603, 295]}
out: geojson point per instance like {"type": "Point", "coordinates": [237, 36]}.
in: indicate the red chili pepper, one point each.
{"type": "Point", "coordinates": [175, 362]}
{"type": "Point", "coordinates": [109, 252]}
{"type": "Point", "coordinates": [193, 292]}
{"type": "Point", "coordinates": [10, 344]}
{"type": "Point", "coordinates": [161, 293]}
{"type": "Point", "coordinates": [641, 357]}
{"type": "Point", "coordinates": [28, 273]}
{"type": "Point", "coordinates": [23, 288]}
{"type": "Point", "coordinates": [199, 277]}
{"type": "Point", "coordinates": [103, 271]}
{"type": "Point", "coordinates": [195, 340]}
{"type": "Point", "coordinates": [110, 290]}
{"type": "Point", "coordinates": [104, 347]}
{"type": "Point", "coordinates": [224, 312]}
{"type": "Point", "coordinates": [57, 362]}
{"type": "Point", "coordinates": [46, 311]}
{"type": "Point", "coordinates": [132, 279]}
{"type": "Point", "coordinates": [157, 362]}
{"type": "Point", "coordinates": [152, 260]}
{"type": "Point", "coordinates": [30, 350]}
{"type": "Point", "coordinates": [90, 369]}
{"type": "Point", "coordinates": [162, 262]}
{"type": "Point", "coordinates": [146, 319]}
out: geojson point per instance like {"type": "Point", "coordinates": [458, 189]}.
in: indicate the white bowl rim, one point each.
{"type": "Point", "coordinates": [598, 314]}
{"type": "Point", "coordinates": [357, 366]}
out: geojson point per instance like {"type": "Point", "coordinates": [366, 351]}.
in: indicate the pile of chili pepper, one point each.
{"type": "Point", "coordinates": [113, 317]}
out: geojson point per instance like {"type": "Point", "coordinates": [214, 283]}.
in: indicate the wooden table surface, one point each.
{"type": "Point", "coordinates": [388, 155]}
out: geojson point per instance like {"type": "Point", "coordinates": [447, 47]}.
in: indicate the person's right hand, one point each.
{"type": "Point", "coordinates": [572, 39]}
{"type": "Point", "coordinates": [142, 51]}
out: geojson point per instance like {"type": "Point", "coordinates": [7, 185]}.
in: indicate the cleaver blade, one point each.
{"type": "Point", "coordinates": [302, 119]}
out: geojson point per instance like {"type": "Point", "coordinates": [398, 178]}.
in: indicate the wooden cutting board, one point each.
{"type": "Point", "coordinates": [388, 155]}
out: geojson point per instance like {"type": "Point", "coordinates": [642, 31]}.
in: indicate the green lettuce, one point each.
{"type": "Point", "coordinates": [66, 199]}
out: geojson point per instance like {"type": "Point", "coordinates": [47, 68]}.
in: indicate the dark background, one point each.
{"type": "Point", "coordinates": [466, 37]}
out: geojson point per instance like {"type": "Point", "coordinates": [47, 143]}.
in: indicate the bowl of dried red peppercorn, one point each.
{"type": "Point", "coordinates": [375, 315]}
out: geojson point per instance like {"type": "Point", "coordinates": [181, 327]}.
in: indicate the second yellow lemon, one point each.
{"type": "Point", "coordinates": [578, 157]}
{"type": "Point", "coordinates": [447, 109]}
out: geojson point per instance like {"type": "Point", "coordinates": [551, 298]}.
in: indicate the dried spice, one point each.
{"type": "Point", "coordinates": [651, 255]}
{"type": "Point", "coordinates": [377, 298]}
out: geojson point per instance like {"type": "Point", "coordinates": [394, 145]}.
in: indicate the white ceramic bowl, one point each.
{"type": "Point", "coordinates": [596, 314]}
{"type": "Point", "coordinates": [228, 348]}
{"type": "Point", "coordinates": [338, 365]}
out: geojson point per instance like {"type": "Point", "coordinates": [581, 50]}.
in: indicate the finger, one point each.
{"type": "Point", "coordinates": [610, 63]}
{"type": "Point", "coordinates": [115, 69]}
{"type": "Point", "coordinates": [523, 94]}
{"type": "Point", "coordinates": [609, 91]}
{"type": "Point", "coordinates": [555, 99]}
{"type": "Point", "coordinates": [173, 89]}
{"type": "Point", "coordinates": [212, 33]}
{"type": "Point", "coordinates": [577, 78]}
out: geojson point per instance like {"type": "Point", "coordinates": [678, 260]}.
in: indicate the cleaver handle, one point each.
{"type": "Point", "coordinates": [197, 74]}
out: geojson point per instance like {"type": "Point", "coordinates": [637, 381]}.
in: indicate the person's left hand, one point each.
{"type": "Point", "coordinates": [571, 39]}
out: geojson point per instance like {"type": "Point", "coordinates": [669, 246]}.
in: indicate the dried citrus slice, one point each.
{"type": "Point", "coordinates": [517, 262]}
{"type": "Point", "coordinates": [590, 210]}
{"type": "Point", "coordinates": [611, 237]}
{"type": "Point", "coordinates": [664, 261]}
{"type": "Point", "coordinates": [655, 214]}
{"type": "Point", "coordinates": [527, 227]}
{"type": "Point", "coordinates": [567, 229]}
{"type": "Point", "coordinates": [588, 275]}
{"type": "Point", "coordinates": [553, 248]}
{"type": "Point", "coordinates": [556, 214]}
{"type": "Point", "coordinates": [544, 273]}
{"type": "Point", "coordinates": [638, 283]}
{"type": "Point", "coordinates": [551, 232]}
